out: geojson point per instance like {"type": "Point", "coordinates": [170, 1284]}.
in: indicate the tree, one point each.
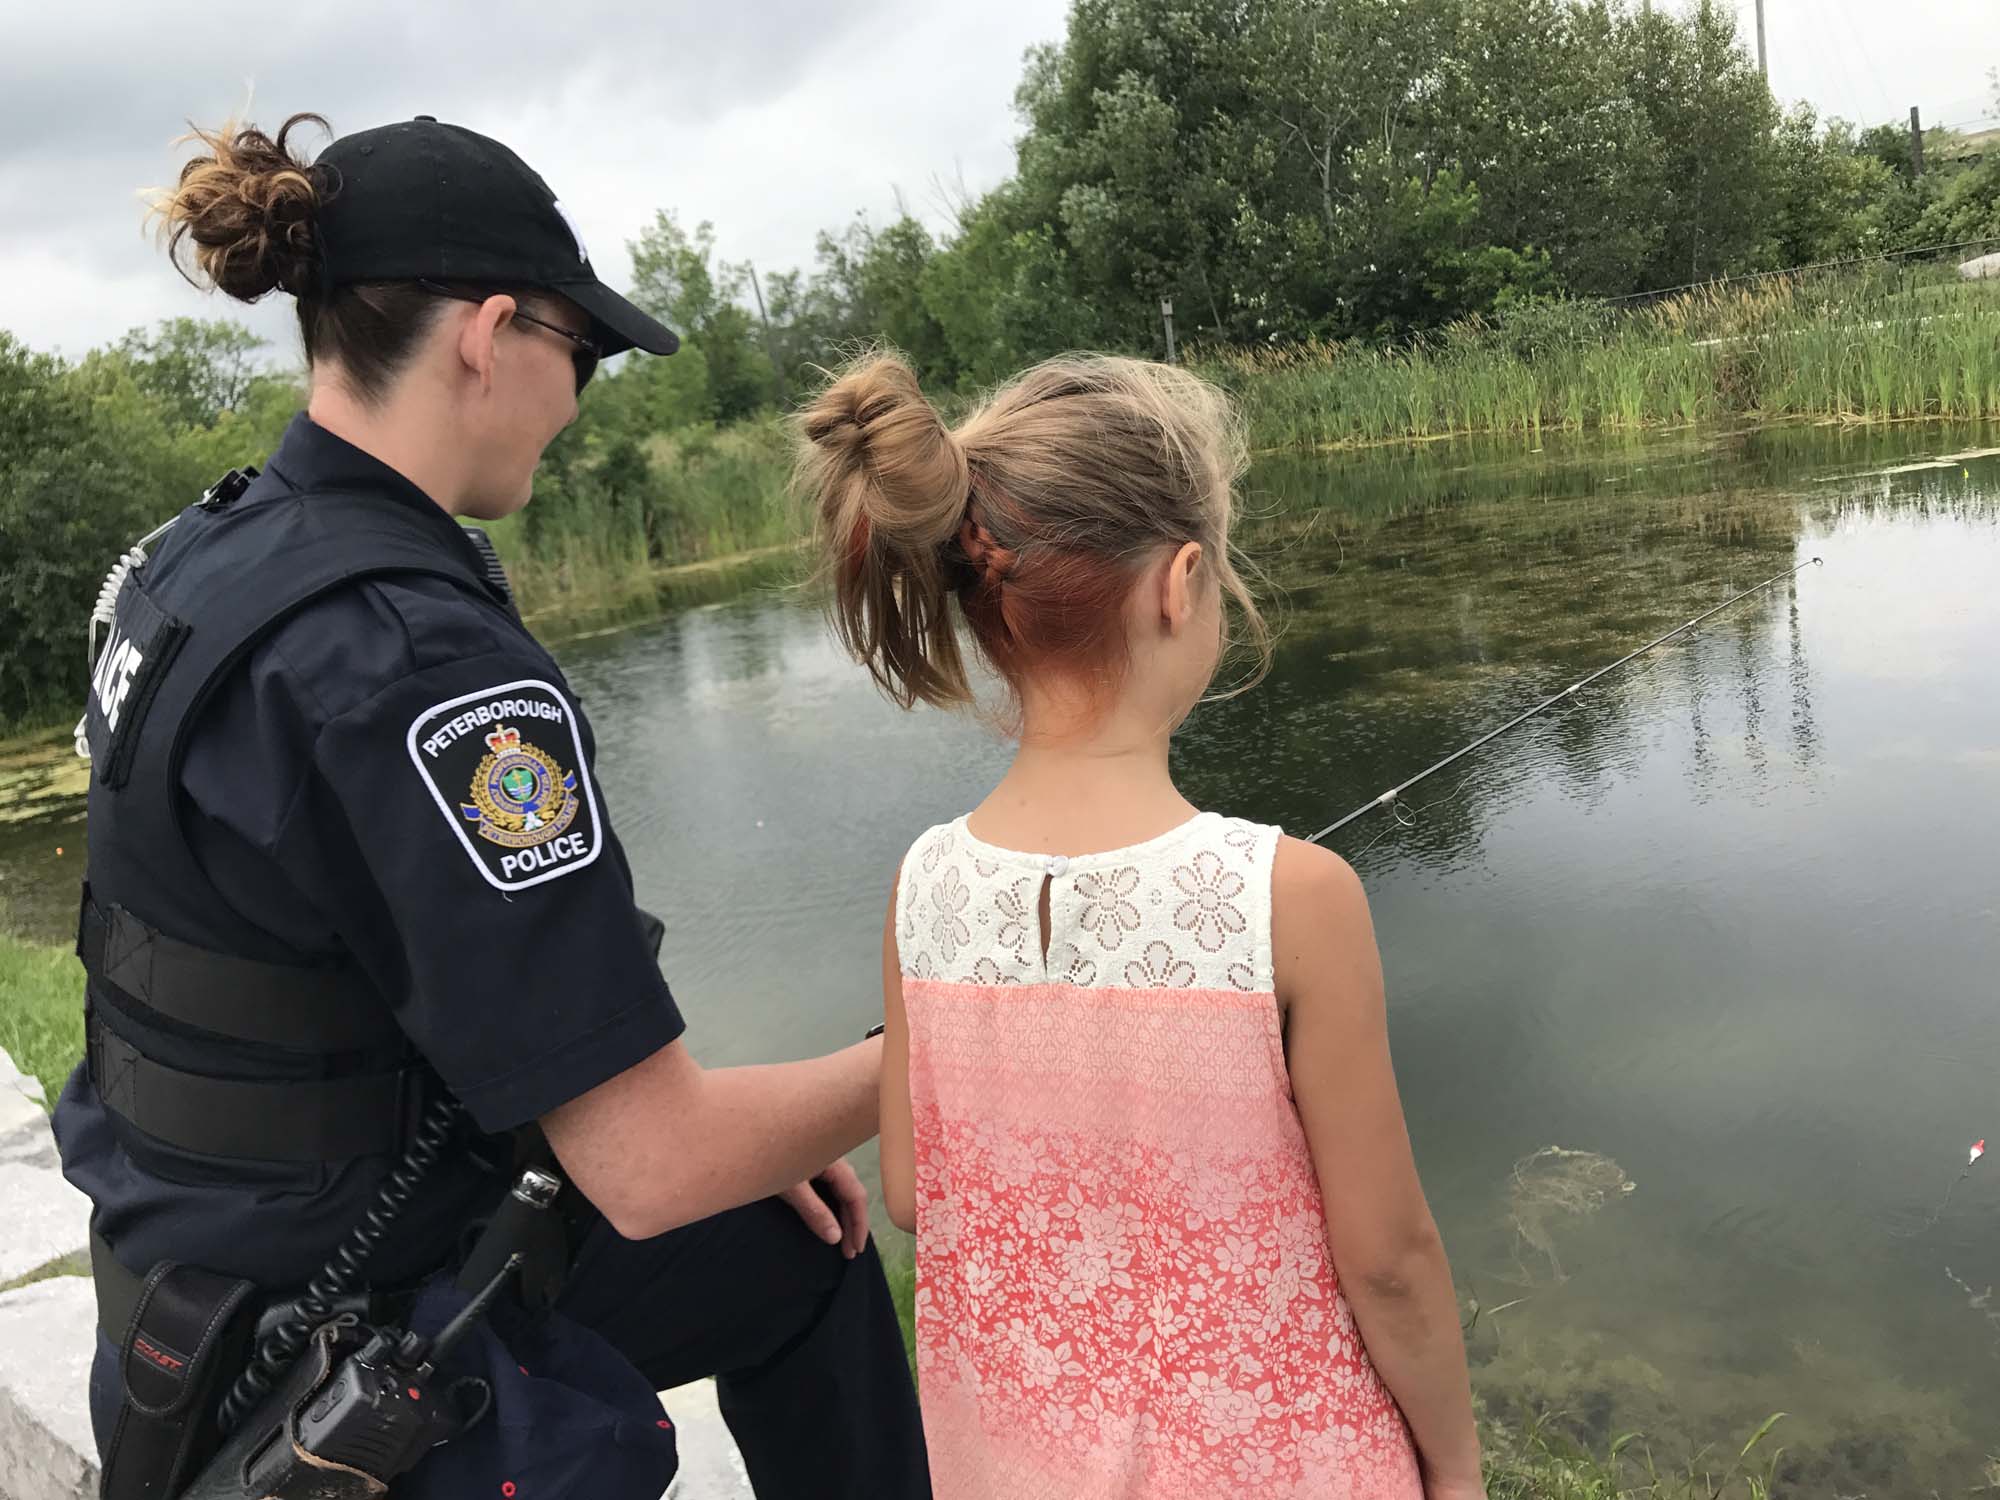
{"type": "Point", "coordinates": [198, 369]}
{"type": "Point", "coordinates": [1823, 181]}
{"type": "Point", "coordinates": [677, 278]}
{"type": "Point", "coordinates": [871, 287]}
{"type": "Point", "coordinates": [1527, 102]}
{"type": "Point", "coordinates": [1426, 262]}
{"type": "Point", "coordinates": [84, 465]}
{"type": "Point", "coordinates": [1713, 116]}
{"type": "Point", "coordinates": [1132, 161]}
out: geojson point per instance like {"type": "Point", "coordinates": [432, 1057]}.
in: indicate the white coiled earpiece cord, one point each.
{"type": "Point", "coordinates": [106, 609]}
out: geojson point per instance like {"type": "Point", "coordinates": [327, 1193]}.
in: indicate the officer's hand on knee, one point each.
{"type": "Point", "coordinates": [846, 1222]}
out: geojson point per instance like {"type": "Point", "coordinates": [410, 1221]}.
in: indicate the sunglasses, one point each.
{"type": "Point", "coordinates": [584, 355]}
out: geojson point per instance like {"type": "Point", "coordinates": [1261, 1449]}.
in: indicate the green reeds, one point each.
{"type": "Point", "coordinates": [1879, 345]}
{"type": "Point", "coordinates": [616, 536]}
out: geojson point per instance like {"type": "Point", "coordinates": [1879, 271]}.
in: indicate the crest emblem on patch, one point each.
{"type": "Point", "coordinates": [506, 767]}
{"type": "Point", "coordinates": [520, 796]}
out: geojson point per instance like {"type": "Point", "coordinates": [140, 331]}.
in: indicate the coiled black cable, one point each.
{"type": "Point", "coordinates": [280, 1347]}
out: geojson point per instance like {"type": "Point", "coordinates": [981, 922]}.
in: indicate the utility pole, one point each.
{"type": "Point", "coordinates": [1916, 142]}
{"type": "Point", "coordinates": [1763, 63]}
{"type": "Point", "coordinates": [1167, 317]}
{"type": "Point", "coordinates": [770, 347]}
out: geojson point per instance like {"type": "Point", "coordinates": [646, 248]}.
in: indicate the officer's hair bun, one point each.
{"type": "Point", "coordinates": [241, 217]}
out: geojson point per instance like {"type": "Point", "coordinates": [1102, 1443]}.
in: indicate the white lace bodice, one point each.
{"type": "Point", "coordinates": [1190, 909]}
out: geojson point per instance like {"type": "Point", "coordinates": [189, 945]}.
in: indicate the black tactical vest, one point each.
{"type": "Point", "coordinates": [278, 1056]}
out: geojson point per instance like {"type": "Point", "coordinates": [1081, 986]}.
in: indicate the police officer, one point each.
{"type": "Point", "coordinates": [348, 857]}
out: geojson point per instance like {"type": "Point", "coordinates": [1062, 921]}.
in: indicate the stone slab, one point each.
{"type": "Point", "coordinates": [711, 1466]}
{"type": "Point", "coordinates": [14, 1080]}
{"type": "Point", "coordinates": [46, 1450]}
{"type": "Point", "coordinates": [42, 1218]}
{"type": "Point", "coordinates": [23, 1122]}
{"type": "Point", "coordinates": [25, 1137]}
{"type": "Point", "coordinates": [1980, 269]}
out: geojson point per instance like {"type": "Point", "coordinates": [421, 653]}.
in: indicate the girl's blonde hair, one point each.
{"type": "Point", "coordinates": [1035, 514]}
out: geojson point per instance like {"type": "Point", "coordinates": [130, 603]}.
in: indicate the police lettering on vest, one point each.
{"type": "Point", "coordinates": [506, 768]}
{"type": "Point", "coordinates": [113, 678]}
{"type": "Point", "coordinates": [144, 640]}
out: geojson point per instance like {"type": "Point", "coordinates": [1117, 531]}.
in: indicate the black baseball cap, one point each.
{"type": "Point", "coordinates": [424, 201]}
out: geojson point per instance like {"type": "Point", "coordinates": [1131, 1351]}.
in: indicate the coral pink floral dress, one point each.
{"type": "Point", "coordinates": [1123, 1283]}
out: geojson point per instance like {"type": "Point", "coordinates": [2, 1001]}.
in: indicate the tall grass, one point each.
{"type": "Point", "coordinates": [1855, 347]}
{"type": "Point", "coordinates": [700, 514]}
{"type": "Point", "coordinates": [41, 1010]}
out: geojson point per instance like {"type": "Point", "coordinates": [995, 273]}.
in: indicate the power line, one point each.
{"type": "Point", "coordinates": [1822, 47]}
{"type": "Point", "coordinates": [1817, 265]}
{"type": "Point", "coordinates": [1861, 46]}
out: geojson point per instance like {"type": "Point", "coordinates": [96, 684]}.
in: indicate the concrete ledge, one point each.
{"type": "Point", "coordinates": [46, 1449]}
{"type": "Point", "coordinates": [711, 1466]}
{"type": "Point", "coordinates": [42, 1218]}
{"type": "Point", "coordinates": [45, 1219]}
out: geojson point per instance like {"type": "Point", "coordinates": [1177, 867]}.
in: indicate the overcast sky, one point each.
{"type": "Point", "coordinates": [773, 118]}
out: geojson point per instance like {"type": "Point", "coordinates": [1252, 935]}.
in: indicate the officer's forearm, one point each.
{"type": "Point", "coordinates": [668, 1141]}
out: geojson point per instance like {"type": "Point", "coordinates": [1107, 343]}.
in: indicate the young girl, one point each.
{"type": "Point", "coordinates": [1137, 1102]}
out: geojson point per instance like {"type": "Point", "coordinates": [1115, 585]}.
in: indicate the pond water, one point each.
{"type": "Point", "coordinates": [1727, 927]}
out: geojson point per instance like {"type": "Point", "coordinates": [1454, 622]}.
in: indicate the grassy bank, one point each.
{"type": "Point", "coordinates": [1883, 345]}
{"type": "Point", "coordinates": [41, 1009]}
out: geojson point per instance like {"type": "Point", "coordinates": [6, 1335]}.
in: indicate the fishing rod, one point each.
{"type": "Point", "coordinates": [1394, 794]}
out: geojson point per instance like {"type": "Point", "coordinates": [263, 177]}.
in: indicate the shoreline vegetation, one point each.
{"type": "Point", "coordinates": [621, 532]}
{"type": "Point", "coordinates": [1877, 346]}
{"type": "Point", "coordinates": [1880, 345]}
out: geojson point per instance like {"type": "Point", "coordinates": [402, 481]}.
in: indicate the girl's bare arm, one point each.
{"type": "Point", "coordinates": [1386, 1249]}
{"type": "Point", "coordinates": [899, 1150]}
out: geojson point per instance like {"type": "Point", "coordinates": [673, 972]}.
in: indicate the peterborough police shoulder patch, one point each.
{"type": "Point", "coordinates": [505, 767]}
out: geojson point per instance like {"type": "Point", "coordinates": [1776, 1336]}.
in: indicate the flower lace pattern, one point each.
{"type": "Point", "coordinates": [1124, 1289]}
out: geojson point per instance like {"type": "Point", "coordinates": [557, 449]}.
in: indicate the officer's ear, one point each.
{"type": "Point", "coordinates": [478, 338]}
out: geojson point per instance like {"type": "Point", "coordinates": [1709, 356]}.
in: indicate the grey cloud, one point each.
{"type": "Point", "coordinates": [76, 83]}
{"type": "Point", "coordinates": [81, 141]}
{"type": "Point", "coordinates": [774, 118]}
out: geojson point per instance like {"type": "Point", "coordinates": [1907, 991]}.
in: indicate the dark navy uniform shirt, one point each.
{"type": "Point", "coordinates": [398, 773]}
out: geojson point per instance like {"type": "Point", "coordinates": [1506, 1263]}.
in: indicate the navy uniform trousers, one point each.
{"type": "Point", "coordinates": [808, 1357]}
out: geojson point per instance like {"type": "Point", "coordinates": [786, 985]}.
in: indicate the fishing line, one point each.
{"type": "Point", "coordinates": [1392, 799]}
{"type": "Point", "coordinates": [1972, 1160]}
{"type": "Point", "coordinates": [1403, 814]}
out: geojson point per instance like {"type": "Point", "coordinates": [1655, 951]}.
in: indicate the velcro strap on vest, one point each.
{"type": "Point", "coordinates": [187, 1334]}
{"type": "Point", "coordinates": [325, 1009]}
{"type": "Point", "coordinates": [322, 1120]}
